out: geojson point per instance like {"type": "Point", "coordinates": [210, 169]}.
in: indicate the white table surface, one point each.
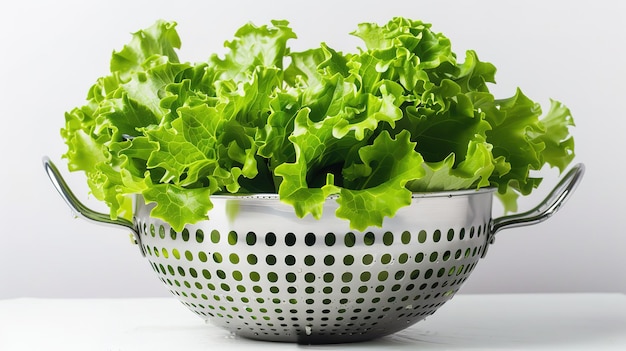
{"type": "Point", "coordinates": [467, 322]}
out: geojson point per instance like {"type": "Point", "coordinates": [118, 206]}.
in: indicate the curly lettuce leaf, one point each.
{"type": "Point", "coordinates": [378, 185]}
{"type": "Point", "coordinates": [160, 39]}
{"type": "Point", "coordinates": [178, 205]}
{"type": "Point", "coordinates": [264, 46]}
{"type": "Point", "coordinates": [401, 115]}
{"type": "Point", "coordinates": [559, 144]}
{"type": "Point", "coordinates": [306, 183]}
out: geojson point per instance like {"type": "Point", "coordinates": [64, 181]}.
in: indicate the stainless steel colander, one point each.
{"type": "Point", "coordinates": [257, 270]}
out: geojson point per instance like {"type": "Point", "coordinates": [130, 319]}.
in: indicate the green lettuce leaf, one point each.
{"type": "Point", "coordinates": [378, 185]}
{"type": "Point", "coordinates": [177, 205]}
{"type": "Point", "coordinates": [264, 46]}
{"type": "Point", "coordinates": [559, 144]}
{"type": "Point", "coordinates": [370, 128]}
{"type": "Point", "coordinates": [160, 39]}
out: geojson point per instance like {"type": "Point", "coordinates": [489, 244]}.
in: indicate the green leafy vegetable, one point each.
{"type": "Point", "coordinates": [400, 115]}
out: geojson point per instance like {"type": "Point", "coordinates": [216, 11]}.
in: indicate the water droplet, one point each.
{"type": "Point", "coordinates": [307, 330]}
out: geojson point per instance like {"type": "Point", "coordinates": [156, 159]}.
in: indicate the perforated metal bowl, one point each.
{"type": "Point", "coordinates": [265, 274]}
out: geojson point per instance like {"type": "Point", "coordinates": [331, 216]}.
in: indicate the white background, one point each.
{"type": "Point", "coordinates": [52, 51]}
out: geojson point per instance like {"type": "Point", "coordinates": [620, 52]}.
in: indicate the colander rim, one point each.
{"type": "Point", "coordinates": [415, 195]}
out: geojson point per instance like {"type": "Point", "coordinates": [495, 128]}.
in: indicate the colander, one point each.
{"type": "Point", "coordinates": [257, 270]}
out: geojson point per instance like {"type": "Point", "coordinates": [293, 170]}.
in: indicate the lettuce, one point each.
{"type": "Point", "coordinates": [400, 115]}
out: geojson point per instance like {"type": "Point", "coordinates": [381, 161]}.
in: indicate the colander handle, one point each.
{"type": "Point", "coordinates": [549, 206]}
{"type": "Point", "coordinates": [79, 209]}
